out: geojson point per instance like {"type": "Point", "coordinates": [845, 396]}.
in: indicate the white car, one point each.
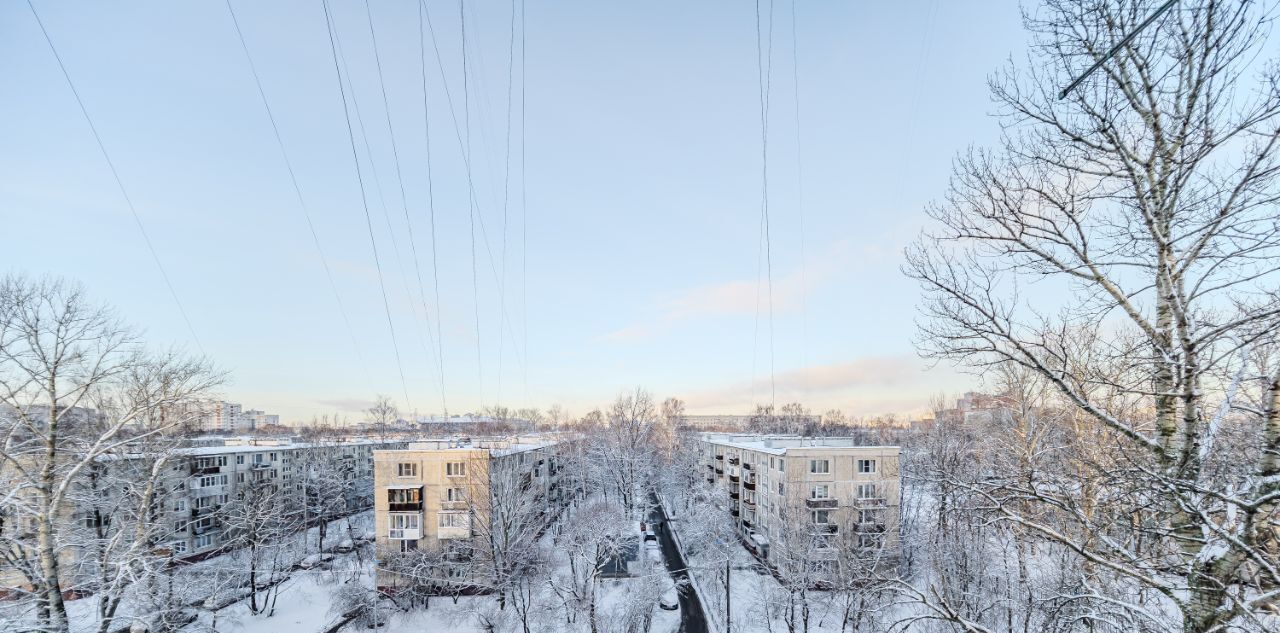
{"type": "Point", "coordinates": [653, 552]}
{"type": "Point", "coordinates": [670, 600]}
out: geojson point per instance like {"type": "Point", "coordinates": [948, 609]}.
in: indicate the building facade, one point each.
{"type": "Point", "coordinates": [443, 495]}
{"type": "Point", "coordinates": [783, 488]}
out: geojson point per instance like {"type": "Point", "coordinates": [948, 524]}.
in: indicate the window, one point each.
{"type": "Point", "coordinates": [868, 517]}
{"type": "Point", "coordinates": [866, 466]}
{"type": "Point", "coordinates": [180, 505]}
{"type": "Point", "coordinates": [178, 547]}
{"type": "Point", "coordinates": [204, 540]}
{"type": "Point", "coordinates": [409, 545]}
{"type": "Point", "coordinates": [772, 463]}
{"type": "Point", "coordinates": [406, 469]}
{"type": "Point", "coordinates": [179, 526]}
{"type": "Point", "coordinates": [820, 491]}
{"type": "Point", "coordinates": [239, 478]}
{"type": "Point", "coordinates": [867, 491]}
{"type": "Point", "coordinates": [780, 488]}
{"type": "Point", "coordinates": [868, 541]}
{"type": "Point", "coordinates": [781, 465]}
{"type": "Point", "coordinates": [819, 466]}
{"type": "Point", "coordinates": [821, 517]}
{"type": "Point", "coordinates": [405, 521]}
{"type": "Point", "coordinates": [453, 520]}
{"type": "Point", "coordinates": [453, 494]}
{"type": "Point", "coordinates": [240, 459]}
{"type": "Point", "coordinates": [273, 457]}
{"type": "Point", "coordinates": [404, 495]}
{"type": "Point", "coordinates": [455, 469]}
{"type": "Point", "coordinates": [257, 458]}
{"type": "Point", "coordinates": [211, 480]}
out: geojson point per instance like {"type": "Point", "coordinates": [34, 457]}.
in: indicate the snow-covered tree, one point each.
{"type": "Point", "coordinates": [1143, 206]}
{"type": "Point", "coordinates": [82, 406]}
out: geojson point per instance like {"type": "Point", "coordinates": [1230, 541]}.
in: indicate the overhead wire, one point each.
{"type": "Point", "coordinates": [115, 174]}
{"type": "Point", "coordinates": [458, 134]}
{"type": "Point", "coordinates": [297, 189]}
{"type": "Point", "coordinates": [764, 72]}
{"type": "Point", "coordinates": [404, 202]}
{"type": "Point", "coordinates": [471, 202]}
{"type": "Point", "coordinates": [506, 195]}
{"type": "Point", "coordinates": [364, 200]}
{"type": "Point", "coordinates": [431, 206]}
{"type": "Point", "coordinates": [524, 205]}
{"type": "Point", "coordinates": [804, 275]}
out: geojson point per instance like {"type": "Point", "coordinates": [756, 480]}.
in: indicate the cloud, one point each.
{"type": "Point", "coordinates": [347, 404]}
{"type": "Point", "coordinates": [863, 386]}
{"type": "Point", "coordinates": [739, 297]}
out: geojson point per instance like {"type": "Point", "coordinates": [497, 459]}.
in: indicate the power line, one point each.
{"type": "Point", "coordinates": [506, 193]}
{"type": "Point", "coordinates": [462, 144]}
{"type": "Point", "coordinates": [364, 201]}
{"type": "Point", "coordinates": [524, 207]}
{"type": "Point", "coordinates": [293, 178]}
{"type": "Point", "coordinates": [431, 204]}
{"type": "Point", "coordinates": [765, 76]}
{"type": "Point", "coordinates": [116, 175]}
{"type": "Point", "coordinates": [804, 280]}
{"type": "Point", "coordinates": [413, 247]}
{"type": "Point", "coordinates": [471, 202]}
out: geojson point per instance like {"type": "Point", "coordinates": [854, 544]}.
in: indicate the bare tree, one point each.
{"type": "Point", "coordinates": [1143, 204]}
{"type": "Point", "coordinates": [78, 390]}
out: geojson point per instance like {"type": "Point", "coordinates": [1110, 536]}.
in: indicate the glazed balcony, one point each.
{"type": "Point", "coordinates": [821, 504]}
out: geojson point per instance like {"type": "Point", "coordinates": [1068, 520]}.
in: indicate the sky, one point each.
{"type": "Point", "coordinates": [615, 198]}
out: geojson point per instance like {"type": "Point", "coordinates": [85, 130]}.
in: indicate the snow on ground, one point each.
{"type": "Point", "coordinates": [198, 581]}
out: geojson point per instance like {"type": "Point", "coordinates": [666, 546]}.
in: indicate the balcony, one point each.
{"type": "Point", "coordinates": [749, 484]}
{"type": "Point", "coordinates": [825, 528]}
{"type": "Point", "coordinates": [821, 503]}
{"type": "Point", "coordinates": [404, 534]}
{"type": "Point", "coordinates": [204, 470]}
{"type": "Point", "coordinates": [719, 471]}
{"type": "Point", "coordinates": [204, 512]}
{"type": "Point", "coordinates": [746, 466]}
{"type": "Point", "coordinates": [872, 503]}
{"type": "Point", "coordinates": [261, 466]}
{"type": "Point", "coordinates": [733, 494]}
{"type": "Point", "coordinates": [206, 529]}
{"type": "Point", "coordinates": [733, 511]}
{"type": "Point", "coordinates": [720, 457]}
{"type": "Point", "coordinates": [746, 523]}
{"type": "Point", "coordinates": [404, 506]}
{"type": "Point", "coordinates": [733, 477]}
{"type": "Point", "coordinates": [733, 461]}
{"type": "Point", "coordinates": [751, 501]}
{"type": "Point", "coordinates": [457, 526]}
{"type": "Point", "coordinates": [871, 528]}
{"type": "Point", "coordinates": [220, 489]}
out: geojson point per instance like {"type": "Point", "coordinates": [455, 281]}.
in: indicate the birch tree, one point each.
{"type": "Point", "coordinates": [1143, 206]}
{"type": "Point", "coordinates": [77, 390]}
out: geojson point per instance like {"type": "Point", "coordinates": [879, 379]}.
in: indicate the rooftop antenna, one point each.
{"type": "Point", "coordinates": [1115, 49]}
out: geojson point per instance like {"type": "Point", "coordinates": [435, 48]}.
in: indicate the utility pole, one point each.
{"type": "Point", "coordinates": [728, 612]}
{"type": "Point", "coordinates": [1115, 49]}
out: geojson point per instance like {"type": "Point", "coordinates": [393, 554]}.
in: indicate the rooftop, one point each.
{"type": "Point", "coordinates": [779, 444]}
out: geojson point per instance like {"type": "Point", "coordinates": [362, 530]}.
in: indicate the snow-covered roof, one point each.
{"type": "Point", "coordinates": [778, 445]}
{"type": "Point", "coordinates": [206, 451]}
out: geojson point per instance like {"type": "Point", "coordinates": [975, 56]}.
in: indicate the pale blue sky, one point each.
{"type": "Point", "coordinates": [643, 177]}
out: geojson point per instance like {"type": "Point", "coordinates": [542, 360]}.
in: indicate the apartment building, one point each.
{"type": "Point", "coordinates": [207, 478]}
{"type": "Point", "coordinates": [828, 487]}
{"type": "Point", "coordinates": [193, 508]}
{"type": "Point", "coordinates": [440, 495]}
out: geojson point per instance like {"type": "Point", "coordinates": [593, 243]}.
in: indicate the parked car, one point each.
{"type": "Point", "coordinates": [310, 561]}
{"type": "Point", "coordinates": [344, 546]}
{"type": "Point", "coordinates": [649, 534]}
{"type": "Point", "coordinates": [670, 600]}
{"type": "Point", "coordinates": [654, 553]}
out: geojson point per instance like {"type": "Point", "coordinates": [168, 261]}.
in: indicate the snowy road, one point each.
{"type": "Point", "coordinates": [692, 620]}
